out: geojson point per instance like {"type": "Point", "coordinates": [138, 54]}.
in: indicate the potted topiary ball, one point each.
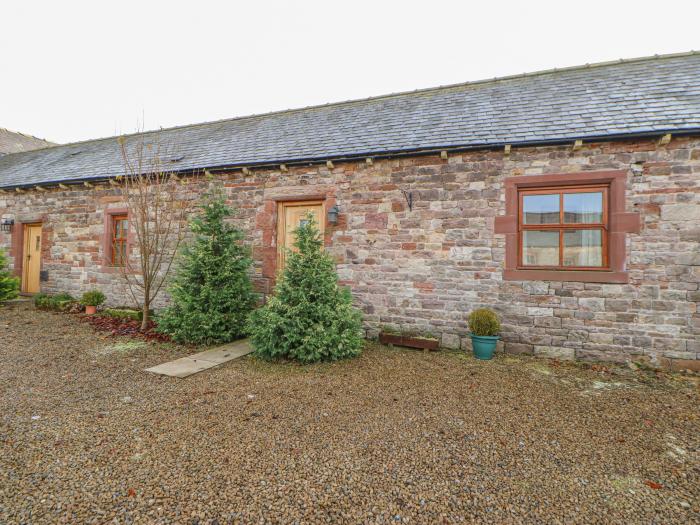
{"type": "Point", "coordinates": [484, 327]}
{"type": "Point", "coordinates": [92, 300]}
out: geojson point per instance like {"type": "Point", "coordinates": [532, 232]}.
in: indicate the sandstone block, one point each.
{"type": "Point", "coordinates": [450, 341]}
{"type": "Point", "coordinates": [518, 348]}
{"type": "Point", "coordinates": [555, 352]}
{"type": "Point", "coordinates": [536, 311]}
{"type": "Point", "coordinates": [680, 212]}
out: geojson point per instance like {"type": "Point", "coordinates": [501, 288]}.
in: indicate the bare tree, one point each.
{"type": "Point", "coordinates": [157, 217]}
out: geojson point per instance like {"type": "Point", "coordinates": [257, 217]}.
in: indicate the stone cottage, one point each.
{"type": "Point", "coordinates": [567, 200]}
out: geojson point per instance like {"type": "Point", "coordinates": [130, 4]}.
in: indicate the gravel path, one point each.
{"type": "Point", "coordinates": [395, 436]}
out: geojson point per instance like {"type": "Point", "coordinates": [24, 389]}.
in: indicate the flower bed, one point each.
{"type": "Point", "coordinates": [124, 327]}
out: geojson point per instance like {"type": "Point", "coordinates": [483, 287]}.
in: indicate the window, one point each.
{"type": "Point", "coordinates": [563, 228]}
{"type": "Point", "coordinates": [115, 239]}
{"type": "Point", "coordinates": [567, 227]}
{"type": "Point", "coordinates": [120, 229]}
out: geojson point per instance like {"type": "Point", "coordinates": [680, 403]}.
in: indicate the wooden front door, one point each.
{"type": "Point", "coordinates": [31, 266]}
{"type": "Point", "coordinates": [289, 217]}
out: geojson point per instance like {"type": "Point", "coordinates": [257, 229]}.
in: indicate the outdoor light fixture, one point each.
{"type": "Point", "coordinates": [333, 215]}
{"type": "Point", "coordinates": [6, 224]}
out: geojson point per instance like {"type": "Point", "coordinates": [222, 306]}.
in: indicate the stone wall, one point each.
{"type": "Point", "coordinates": [425, 269]}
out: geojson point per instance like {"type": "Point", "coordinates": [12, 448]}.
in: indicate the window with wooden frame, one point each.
{"type": "Point", "coordinates": [567, 227]}
{"type": "Point", "coordinates": [120, 229]}
{"type": "Point", "coordinates": [563, 228]}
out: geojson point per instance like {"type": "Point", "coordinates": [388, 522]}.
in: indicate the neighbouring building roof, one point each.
{"type": "Point", "coordinates": [630, 97]}
{"type": "Point", "coordinates": [13, 142]}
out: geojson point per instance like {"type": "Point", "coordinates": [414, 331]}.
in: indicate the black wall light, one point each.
{"type": "Point", "coordinates": [333, 214]}
{"type": "Point", "coordinates": [6, 224]}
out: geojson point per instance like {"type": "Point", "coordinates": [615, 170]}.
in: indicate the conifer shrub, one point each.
{"type": "Point", "coordinates": [9, 285]}
{"type": "Point", "coordinates": [484, 322]}
{"type": "Point", "coordinates": [310, 317]}
{"type": "Point", "coordinates": [92, 298]}
{"type": "Point", "coordinates": [211, 291]}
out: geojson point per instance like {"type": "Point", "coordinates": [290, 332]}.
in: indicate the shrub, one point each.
{"type": "Point", "coordinates": [9, 286]}
{"type": "Point", "coordinates": [484, 322]}
{"type": "Point", "coordinates": [61, 301]}
{"type": "Point", "coordinates": [123, 313]}
{"type": "Point", "coordinates": [211, 293]}
{"type": "Point", "coordinates": [309, 318]}
{"type": "Point", "coordinates": [41, 300]}
{"type": "Point", "coordinates": [92, 298]}
{"type": "Point", "coordinates": [63, 297]}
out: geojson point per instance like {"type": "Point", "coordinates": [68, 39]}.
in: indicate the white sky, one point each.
{"type": "Point", "coordinates": [75, 70]}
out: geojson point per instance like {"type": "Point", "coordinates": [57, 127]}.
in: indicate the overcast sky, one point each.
{"type": "Point", "coordinates": [73, 70]}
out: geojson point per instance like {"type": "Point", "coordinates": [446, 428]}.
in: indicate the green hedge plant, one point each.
{"type": "Point", "coordinates": [58, 302]}
{"type": "Point", "coordinates": [484, 322]}
{"type": "Point", "coordinates": [123, 313]}
{"type": "Point", "coordinates": [9, 285]}
{"type": "Point", "coordinates": [40, 300]}
{"type": "Point", "coordinates": [310, 317]}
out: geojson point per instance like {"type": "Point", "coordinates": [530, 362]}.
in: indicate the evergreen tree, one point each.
{"type": "Point", "coordinates": [211, 291]}
{"type": "Point", "coordinates": [309, 318]}
{"type": "Point", "coordinates": [9, 286]}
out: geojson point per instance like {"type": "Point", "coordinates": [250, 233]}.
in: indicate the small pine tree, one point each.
{"type": "Point", "coordinates": [309, 318]}
{"type": "Point", "coordinates": [211, 291]}
{"type": "Point", "coordinates": [9, 286]}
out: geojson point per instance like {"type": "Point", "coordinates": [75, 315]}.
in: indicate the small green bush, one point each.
{"type": "Point", "coordinates": [41, 300]}
{"type": "Point", "coordinates": [310, 317]}
{"type": "Point", "coordinates": [92, 298]}
{"type": "Point", "coordinates": [61, 301]}
{"type": "Point", "coordinates": [484, 322]}
{"type": "Point", "coordinates": [63, 297]}
{"type": "Point", "coordinates": [9, 286]}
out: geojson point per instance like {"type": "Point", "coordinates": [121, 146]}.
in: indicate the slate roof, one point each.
{"type": "Point", "coordinates": [632, 97]}
{"type": "Point", "coordinates": [13, 142]}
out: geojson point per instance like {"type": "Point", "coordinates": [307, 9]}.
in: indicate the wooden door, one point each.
{"type": "Point", "coordinates": [290, 215]}
{"type": "Point", "coordinates": [32, 258]}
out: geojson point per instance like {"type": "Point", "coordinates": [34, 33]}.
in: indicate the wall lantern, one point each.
{"type": "Point", "coordinates": [333, 215]}
{"type": "Point", "coordinates": [6, 224]}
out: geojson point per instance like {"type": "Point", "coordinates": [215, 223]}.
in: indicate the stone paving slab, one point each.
{"type": "Point", "coordinates": [225, 353]}
{"type": "Point", "coordinates": [186, 366]}
{"type": "Point", "coordinates": [182, 367]}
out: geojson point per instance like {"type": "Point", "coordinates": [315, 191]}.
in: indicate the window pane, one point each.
{"type": "Point", "coordinates": [116, 253]}
{"type": "Point", "coordinates": [120, 228]}
{"type": "Point", "coordinates": [541, 209]}
{"type": "Point", "coordinates": [583, 207]}
{"type": "Point", "coordinates": [541, 248]}
{"type": "Point", "coordinates": [583, 248]}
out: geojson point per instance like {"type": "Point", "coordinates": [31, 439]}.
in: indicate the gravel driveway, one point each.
{"type": "Point", "coordinates": [395, 436]}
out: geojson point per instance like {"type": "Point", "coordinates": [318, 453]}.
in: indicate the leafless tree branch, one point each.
{"type": "Point", "coordinates": [158, 214]}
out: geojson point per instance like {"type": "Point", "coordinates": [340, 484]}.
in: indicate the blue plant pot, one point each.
{"type": "Point", "coordinates": [484, 345]}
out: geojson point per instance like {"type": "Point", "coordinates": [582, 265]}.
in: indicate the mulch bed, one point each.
{"type": "Point", "coordinates": [124, 327]}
